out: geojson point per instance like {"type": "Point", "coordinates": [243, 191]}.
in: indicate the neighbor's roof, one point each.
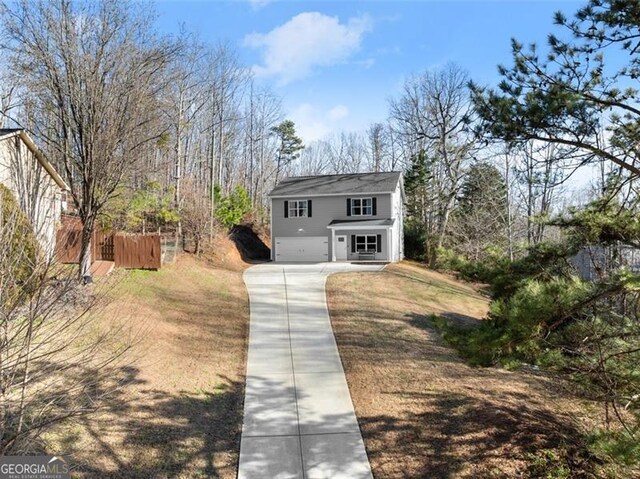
{"type": "Point", "coordinates": [357, 183]}
{"type": "Point", "coordinates": [6, 133]}
{"type": "Point", "coordinates": [9, 131]}
{"type": "Point", "coordinates": [348, 223]}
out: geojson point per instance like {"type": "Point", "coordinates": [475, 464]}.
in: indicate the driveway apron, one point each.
{"type": "Point", "coordinates": [299, 420]}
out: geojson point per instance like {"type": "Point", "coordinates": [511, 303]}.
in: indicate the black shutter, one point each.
{"type": "Point", "coordinates": [374, 206]}
{"type": "Point", "coordinates": [348, 206]}
{"type": "Point", "coordinates": [309, 208]}
{"type": "Point", "coordinates": [353, 243]}
{"type": "Point", "coordinates": [286, 209]}
{"type": "Point", "coordinates": [379, 243]}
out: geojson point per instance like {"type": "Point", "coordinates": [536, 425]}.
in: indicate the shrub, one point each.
{"type": "Point", "coordinates": [476, 346]}
{"type": "Point", "coordinates": [548, 464]}
{"type": "Point", "coordinates": [617, 446]}
{"type": "Point", "coordinates": [485, 270]}
{"type": "Point", "coordinates": [543, 261]}
{"type": "Point", "coordinates": [528, 315]}
{"type": "Point", "coordinates": [415, 239]}
{"type": "Point", "coordinates": [231, 209]}
{"type": "Point", "coordinates": [20, 252]}
{"type": "Point", "coordinates": [448, 260]}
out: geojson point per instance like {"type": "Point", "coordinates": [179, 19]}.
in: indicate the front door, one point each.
{"type": "Point", "coordinates": [341, 247]}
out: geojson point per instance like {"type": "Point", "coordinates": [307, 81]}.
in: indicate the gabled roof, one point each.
{"type": "Point", "coordinates": [330, 185]}
{"type": "Point", "coordinates": [6, 133]}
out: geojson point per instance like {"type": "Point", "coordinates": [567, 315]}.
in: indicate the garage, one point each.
{"type": "Point", "coordinates": [302, 248]}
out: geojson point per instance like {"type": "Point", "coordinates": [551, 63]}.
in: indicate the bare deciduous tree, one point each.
{"type": "Point", "coordinates": [540, 174]}
{"type": "Point", "coordinates": [432, 115]}
{"type": "Point", "coordinates": [93, 72]}
{"type": "Point", "coordinates": [196, 219]}
{"type": "Point", "coordinates": [376, 134]}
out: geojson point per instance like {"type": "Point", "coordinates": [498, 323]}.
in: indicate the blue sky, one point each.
{"type": "Point", "coordinates": [336, 63]}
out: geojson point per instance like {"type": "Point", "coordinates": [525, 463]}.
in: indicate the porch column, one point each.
{"type": "Point", "coordinates": [389, 245]}
{"type": "Point", "coordinates": [333, 244]}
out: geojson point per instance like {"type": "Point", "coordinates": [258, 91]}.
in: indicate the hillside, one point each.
{"type": "Point", "coordinates": [423, 412]}
{"type": "Point", "coordinates": [179, 414]}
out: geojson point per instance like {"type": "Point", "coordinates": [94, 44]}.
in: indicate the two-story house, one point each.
{"type": "Point", "coordinates": [338, 218]}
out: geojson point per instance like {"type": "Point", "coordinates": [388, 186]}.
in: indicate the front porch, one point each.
{"type": "Point", "coordinates": [368, 241]}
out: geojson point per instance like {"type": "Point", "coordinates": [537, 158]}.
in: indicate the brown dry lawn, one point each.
{"type": "Point", "coordinates": [180, 414]}
{"type": "Point", "coordinates": [422, 411]}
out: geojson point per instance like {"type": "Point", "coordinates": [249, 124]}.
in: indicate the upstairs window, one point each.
{"type": "Point", "coordinates": [298, 209]}
{"type": "Point", "coordinates": [361, 206]}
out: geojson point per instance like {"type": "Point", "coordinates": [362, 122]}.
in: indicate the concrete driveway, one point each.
{"type": "Point", "coordinates": [299, 420]}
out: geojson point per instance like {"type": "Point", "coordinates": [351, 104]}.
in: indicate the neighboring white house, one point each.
{"type": "Point", "coordinates": [37, 187]}
{"type": "Point", "coordinates": [338, 218]}
{"type": "Point", "coordinates": [594, 262]}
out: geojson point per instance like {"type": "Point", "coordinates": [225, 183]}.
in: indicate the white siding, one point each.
{"type": "Point", "coordinates": [37, 194]}
{"type": "Point", "coordinates": [397, 210]}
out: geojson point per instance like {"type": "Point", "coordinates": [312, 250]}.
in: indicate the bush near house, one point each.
{"type": "Point", "coordinates": [20, 252]}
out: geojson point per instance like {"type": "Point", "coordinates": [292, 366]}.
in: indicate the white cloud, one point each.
{"type": "Point", "coordinates": [310, 39]}
{"type": "Point", "coordinates": [258, 4]}
{"type": "Point", "coordinates": [314, 123]}
{"type": "Point", "coordinates": [368, 63]}
{"type": "Point", "coordinates": [338, 112]}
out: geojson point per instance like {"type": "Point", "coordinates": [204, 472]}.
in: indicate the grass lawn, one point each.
{"type": "Point", "coordinates": [422, 411]}
{"type": "Point", "coordinates": [181, 413]}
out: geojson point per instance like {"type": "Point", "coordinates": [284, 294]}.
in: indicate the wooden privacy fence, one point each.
{"type": "Point", "coordinates": [137, 251]}
{"type": "Point", "coordinates": [126, 251]}
{"type": "Point", "coordinates": [68, 245]}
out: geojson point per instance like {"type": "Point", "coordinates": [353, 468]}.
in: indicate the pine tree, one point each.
{"type": "Point", "coordinates": [290, 145]}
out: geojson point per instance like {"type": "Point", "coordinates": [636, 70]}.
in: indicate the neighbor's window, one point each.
{"type": "Point", "coordinates": [361, 207]}
{"type": "Point", "coordinates": [298, 209]}
{"type": "Point", "coordinates": [366, 243]}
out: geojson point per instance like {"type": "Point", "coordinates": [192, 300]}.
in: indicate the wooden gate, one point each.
{"type": "Point", "coordinates": [102, 248]}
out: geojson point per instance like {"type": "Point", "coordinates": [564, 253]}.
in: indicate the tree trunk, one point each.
{"type": "Point", "coordinates": [507, 169]}
{"type": "Point", "coordinates": [85, 251]}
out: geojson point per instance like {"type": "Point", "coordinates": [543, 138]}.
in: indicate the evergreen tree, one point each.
{"type": "Point", "coordinates": [569, 96]}
{"type": "Point", "coordinates": [417, 234]}
{"type": "Point", "coordinates": [480, 217]}
{"type": "Point", "coordinates": [289, 147]}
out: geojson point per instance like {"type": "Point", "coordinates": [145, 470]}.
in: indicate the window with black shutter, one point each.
{"type": "Point", "coordinates": [366, 243]}
{"type": "Point", "coordinates": [360, 206]}
{"type": "Point", "coordinates": [297, 209]}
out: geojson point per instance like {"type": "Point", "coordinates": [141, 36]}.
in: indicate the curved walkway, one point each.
{"type": "Point", "coordinates": [299, 420]}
